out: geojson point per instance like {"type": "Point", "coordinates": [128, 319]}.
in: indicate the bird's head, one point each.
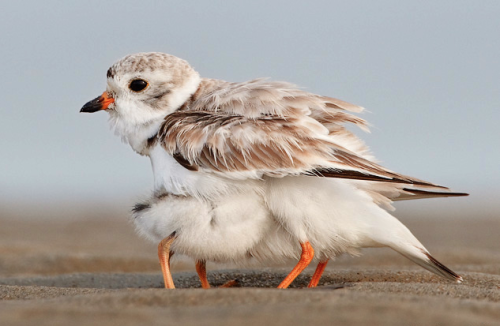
{"type": "Point", "coordinates": [145, 87]}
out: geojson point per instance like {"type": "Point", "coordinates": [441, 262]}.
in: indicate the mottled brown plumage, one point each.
{"type": "Point", "coordinates": [270, 128]}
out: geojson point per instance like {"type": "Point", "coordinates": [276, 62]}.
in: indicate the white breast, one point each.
{"type": "Point", "coordinates": [172, 177]}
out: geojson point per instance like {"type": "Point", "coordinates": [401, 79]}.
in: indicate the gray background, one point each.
{"type": "Point", "coordinates": [428, 72]}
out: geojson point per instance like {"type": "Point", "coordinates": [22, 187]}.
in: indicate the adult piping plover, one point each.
{"type": "Point", "coordinates": [254, 170]}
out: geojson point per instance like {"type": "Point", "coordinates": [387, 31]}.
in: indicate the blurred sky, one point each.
{"type": "Point", "coordinates": [428, 72]}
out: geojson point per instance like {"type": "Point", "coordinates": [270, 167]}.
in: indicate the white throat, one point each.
{"type": "Point", "coordinates": [137, 129]}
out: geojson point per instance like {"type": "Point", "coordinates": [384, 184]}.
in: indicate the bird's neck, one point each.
{"type": "Point", "coordinates": [140, 139]}
{"type": "Point", "coordinates": [135, 134]}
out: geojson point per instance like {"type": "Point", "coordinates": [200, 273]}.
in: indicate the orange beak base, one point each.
{"type": "Point", "coordinates": [99, 103]}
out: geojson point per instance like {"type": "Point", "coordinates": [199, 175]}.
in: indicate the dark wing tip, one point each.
{"type": "Point", "coordinates": [436, 193]}
{"type": "Point", "coordinates": [350, 174]}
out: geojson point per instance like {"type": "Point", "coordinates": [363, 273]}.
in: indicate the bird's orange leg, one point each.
{"type": "Point", "coordinates": [201, 269]}
{"type": "Point", "coordinates": [164, 255]}
{"type": "Point", "coordinates": [317, 274]}
{"type": "Point", "coordinates": [305, 259]}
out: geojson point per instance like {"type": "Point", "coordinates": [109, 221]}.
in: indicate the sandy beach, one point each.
{"type": "Point", "coordinates": [94, 269]}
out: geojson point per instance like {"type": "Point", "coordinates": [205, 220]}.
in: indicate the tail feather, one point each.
{"type": "Point", "coordinates": [386, 230]}
{"type": "Point", "coordinates": [443, 270]}
{"type": "Point", "coordinates": [423, 258]}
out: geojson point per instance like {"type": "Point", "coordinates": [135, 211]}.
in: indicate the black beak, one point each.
{"type": "Point", "coordinates": [99, 103]}
{"type": "Point", "coordinates": [92, 106]}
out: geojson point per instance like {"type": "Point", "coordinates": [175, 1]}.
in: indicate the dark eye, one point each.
{"type": "Point", "coordinates": [138, 85]}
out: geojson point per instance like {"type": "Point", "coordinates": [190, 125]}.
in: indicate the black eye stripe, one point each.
{"type": "Point", "coordinates": [138, 85]}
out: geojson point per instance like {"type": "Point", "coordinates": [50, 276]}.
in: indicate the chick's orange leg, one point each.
{"type": "Point", "coordinates": [164, 254]}
{"type": "Point", "coordinates": [230, 284]}
{"type": "Point", "coordinates": [305, 259]}
{"type": "Point", "coordinates": [317, 274]}
{"type": "Point", "coordinates": [201, 269]}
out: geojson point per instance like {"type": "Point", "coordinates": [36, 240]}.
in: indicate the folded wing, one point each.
{"type": "Point", "coordinates": [261, 128]}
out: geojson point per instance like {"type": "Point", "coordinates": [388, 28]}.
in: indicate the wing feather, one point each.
{"type": "Point", "coordinates": [263, 128]}
{"type": "Point", "coordinates": [236, 146]}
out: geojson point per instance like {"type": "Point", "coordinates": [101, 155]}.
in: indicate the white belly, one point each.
{"type": "Point", "coordinates": [333, 215]}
